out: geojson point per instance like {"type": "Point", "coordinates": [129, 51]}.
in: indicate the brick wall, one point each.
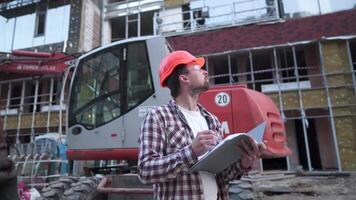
{"type": "Point", "coordinates": [90, 37]}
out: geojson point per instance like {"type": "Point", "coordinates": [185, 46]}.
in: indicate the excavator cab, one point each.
{"type": "Point", "coordinates": [112, 90]}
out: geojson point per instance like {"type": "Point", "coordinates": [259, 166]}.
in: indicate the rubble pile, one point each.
{"type": "Point", "coordinates": [280, 185]}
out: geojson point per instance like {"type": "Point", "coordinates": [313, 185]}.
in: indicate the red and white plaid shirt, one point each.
{"type": "Point", "coordinates": [166, 155]}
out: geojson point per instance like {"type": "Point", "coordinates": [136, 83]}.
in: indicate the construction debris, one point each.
{"type": "Point", "coordinates": [281, 185]}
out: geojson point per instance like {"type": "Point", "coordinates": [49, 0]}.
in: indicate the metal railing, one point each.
{"type": "Point", "coordinates": [170, 22]}
{"type": "Point", "coordinates": [37, 163]}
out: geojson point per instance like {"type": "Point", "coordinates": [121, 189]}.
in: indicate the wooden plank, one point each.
{"type": "Point", "coordinates": [283, 189]}
{"type": "Point", "coordinates": [324, 173]}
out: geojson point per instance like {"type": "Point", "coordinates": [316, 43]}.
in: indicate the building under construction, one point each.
{"type": "Point", "coordinates": [302, 54]}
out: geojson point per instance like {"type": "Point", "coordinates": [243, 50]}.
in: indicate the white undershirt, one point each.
{"type": "Point", "coordinates": [198, 123]}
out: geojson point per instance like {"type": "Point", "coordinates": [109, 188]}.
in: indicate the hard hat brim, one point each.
{"type": "Point", "coordinates": [200, 61]}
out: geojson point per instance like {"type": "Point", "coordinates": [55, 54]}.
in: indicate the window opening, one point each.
{"type": "Point", "coordinates": [132, 25]}
{"type": "Point", "coordinates": [353, 55]}
{"type": "Point", "coordinates": [199, 18]}
{"type": "Point", "coordinates": [40, 23]}
{"type": "Point", "coordinates": [186, 16]}
{"type": "Point", "coordinates": [44, 92]}
{"type": "Point", "coordinates": [219, 69]}
{"type": "Point", "coordinates": [146, 23]}
{"type": "Point", "coordinates": [118, 28]}
{"type": "Point", "coordinates": [313, 66]}
{"type": "Point", "coordinates": [240, 69]}
{"type": "Point", "coordinates": [3, 96]}
{"type": "Point", "coordinates": [234, 69]}
{"type": "Point", "coordinates": [29, 96]}
{"type": "Point", "coordinates": [15, 95]}
{"type": "Point", "coordinates": [287, 68]}
{"type": "Point", "coordinates": [263, 70]}
{"type": "Point", "coordinates": [57, 85]}
{"type": "Point", "coordinates": [313, 145]}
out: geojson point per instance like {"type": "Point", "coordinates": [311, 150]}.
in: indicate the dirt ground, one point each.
{"type": "Point", "coordinates": [313, 187]}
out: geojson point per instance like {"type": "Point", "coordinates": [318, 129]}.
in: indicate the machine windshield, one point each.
{"type": "Point", "coordinates": [109, 83]}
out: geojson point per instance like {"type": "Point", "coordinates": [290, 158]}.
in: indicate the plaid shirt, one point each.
{"type": "Point", "coordinates": [166, 155]}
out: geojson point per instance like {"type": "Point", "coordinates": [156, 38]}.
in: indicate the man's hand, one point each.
{"type": "Point", "coordinates": [203, 142]}
{"type": "Point", "coordinates": [250, 152]}
{"type": "Point", "coordinates": [266, 153]}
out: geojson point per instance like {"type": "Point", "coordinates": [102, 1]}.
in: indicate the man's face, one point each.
{"type": "Point", "coordinates": [198, 77]}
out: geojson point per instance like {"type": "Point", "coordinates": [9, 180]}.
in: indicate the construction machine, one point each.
{"type": "Point", "coordinates": [111, 91]}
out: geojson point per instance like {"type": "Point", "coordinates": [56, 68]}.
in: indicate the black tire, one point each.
{"type": "Point", "coordinates": [241, 190]}
{"type": "Point", "coordinates": [84, 189]}
{"type": "Point", "coordinates": [56, 189]}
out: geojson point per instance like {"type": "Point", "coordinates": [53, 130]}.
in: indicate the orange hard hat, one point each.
{"type": "Point", "coordinates": [172, 60]}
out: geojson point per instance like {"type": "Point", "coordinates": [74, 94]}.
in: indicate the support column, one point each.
{"type": "Point", "coordinates": [22, 101]}
{"type": "Point", "coordinates": [35, 100]}
{"type": "Point", "coordinates": [50, 102]}
{"type": "Point", "coordinates": [252, 72]}
{"type": "Point", "coordinates": [302, 111]}
{"type": "Point", "coordinates": [229, 64]}
{"type": "Point", "coordinates": [7, 105]}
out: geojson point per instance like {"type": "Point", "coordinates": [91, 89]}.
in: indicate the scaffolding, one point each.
{"type": "Point", "coordinates": [310, 88]}
{"type": "Point", "coordinates": [30, 112]}
{"type": "Point", "coordinates": [33, 112]}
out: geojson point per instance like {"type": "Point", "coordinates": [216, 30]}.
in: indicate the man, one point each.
{"type": "Point", "coordinates": [173, 136]}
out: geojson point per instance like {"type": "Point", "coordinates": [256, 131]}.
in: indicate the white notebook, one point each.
{"type": "Point", "coordinates": [225, 153]}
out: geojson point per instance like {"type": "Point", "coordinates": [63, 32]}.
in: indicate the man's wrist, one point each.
{"type": "Point", "coordinates": [188, 156]}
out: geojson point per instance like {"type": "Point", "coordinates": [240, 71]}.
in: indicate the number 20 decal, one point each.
{"type": "Point", "coordinates": [222, 99]}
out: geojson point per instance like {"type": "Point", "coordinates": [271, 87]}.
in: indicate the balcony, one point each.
{"type": "Point", "coordinates": [202, 17]}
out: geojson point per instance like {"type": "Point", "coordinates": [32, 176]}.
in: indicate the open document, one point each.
{"type": "Point", "coordinates": [225, 153]}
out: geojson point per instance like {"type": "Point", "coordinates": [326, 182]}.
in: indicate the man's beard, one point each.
{"type": "Point", "coordinates": [200, 89]}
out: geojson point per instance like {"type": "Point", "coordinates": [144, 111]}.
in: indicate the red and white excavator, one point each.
{"type": "Point", "coordinates": [114, 87]}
